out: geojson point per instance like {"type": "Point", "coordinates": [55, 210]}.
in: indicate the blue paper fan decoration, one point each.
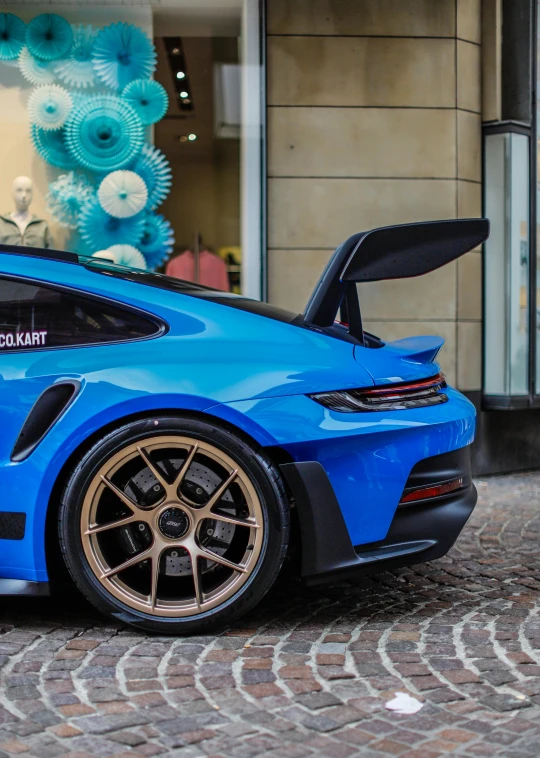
{"type": "Point", "coordinates": [123, 255]}
{"type": "Point", "coordinates": [35, 70]}
{"type": "Point", "coordinates": [12, 36]}
{"type": "Point", "coordinates": [49, 36]}
{"type": "Point", "coordinates": [50, 144]}
{"type": "Point", "coordinates": [122, 53]}
{"type": "Point", "coordinates": [100, 230]}
{"type": "Point", "coordinates": [67, 197]}
{"type": "Point", "coordinates": [104, 133]}
{"type": "Point", "coordinates": [155, 170]}
{"type": "Point", "coordinates": [149, 99]}
{"type": "Point", "coordinates": [157, 240]}
{"type": "Point", "coordinates": [77, 70]}
{"type": "Point", "coordinates": [79, 98]}
{"type": "Point", "coordinates": [49, 106]}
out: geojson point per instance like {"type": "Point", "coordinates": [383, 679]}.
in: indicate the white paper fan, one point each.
{"type": "Point", "coordinates": [124, 255]}
{"type": "Point", "coordinates": [122, 194]}
{"type": "Point", "coordinates": [49, 106]}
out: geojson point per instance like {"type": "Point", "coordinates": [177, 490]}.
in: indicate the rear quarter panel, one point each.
{"type": "Point", "coordinates": [210, 355]}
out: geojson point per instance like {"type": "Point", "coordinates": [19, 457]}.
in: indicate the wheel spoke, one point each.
{"type": "Point", "coordinates": [226, 519]}
{"type": "Point", "coordinates": [131, 504]}
{"type": "Point", "coordinates": [210, 556]}
{"type": "Point", "coordinates": [185, 467]}
{"type": "Point", "coordinates": [130, 562]}
{"type": "Point", "coordinates": [154, 469]}
{"type": "Point", "coordinates": [154, 577]}
{"type": "Point", "coordinates": [194, 558]}
{"type": "Point", "coordinates": [217, 495]}
{"type": "Point", "coordinates": [97, 528]}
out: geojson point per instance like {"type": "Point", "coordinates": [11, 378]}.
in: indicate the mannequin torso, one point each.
{"type": "Point", "coordinates": [20, 227]}
{"type": "Point", "coordinates": [22, 219]}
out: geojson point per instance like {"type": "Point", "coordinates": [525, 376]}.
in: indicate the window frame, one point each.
{"type": "Point", "coordinates": [530, 129]}
{"type": "Point", "coordinates": [162, 327]}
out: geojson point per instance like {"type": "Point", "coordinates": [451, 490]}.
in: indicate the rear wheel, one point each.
{"type": "Point", "coordinates": [174, 525]}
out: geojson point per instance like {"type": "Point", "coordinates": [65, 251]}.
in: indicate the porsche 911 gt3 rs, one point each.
{"type": "Point", "coordinates": [159, 436]}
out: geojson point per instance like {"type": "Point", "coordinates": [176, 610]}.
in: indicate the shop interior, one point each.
{"type": "Point", "coordinates": [199, 47]}
{"type": "Point", "coordinates": [200, 135]}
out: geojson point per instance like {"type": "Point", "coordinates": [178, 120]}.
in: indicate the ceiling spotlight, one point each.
{"type": "Point", "coordinates": [192, 137]}
{"type": "Point", "coordinates": [180, 75]}
{"type": "Point", "coordinates": [175, 51]}
{"type": "Point", "coordinates": [184, 93]}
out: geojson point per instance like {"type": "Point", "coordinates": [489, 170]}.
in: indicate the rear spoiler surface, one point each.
{"type": "Point", "coordinates": [391, 252]}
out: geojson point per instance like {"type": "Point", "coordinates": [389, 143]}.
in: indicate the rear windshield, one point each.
{"type": "Point", "coordinates": [191, 289]}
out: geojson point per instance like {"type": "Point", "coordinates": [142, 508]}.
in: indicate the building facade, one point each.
{"type": "Point", "coordinates": [387, 112]}
{"type": "Point", "coordinates": [292, 124]}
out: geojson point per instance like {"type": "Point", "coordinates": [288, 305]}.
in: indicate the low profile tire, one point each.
{"type": "Point", "coordinates": [174, 525]}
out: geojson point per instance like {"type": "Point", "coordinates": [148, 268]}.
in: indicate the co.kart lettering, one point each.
{"type": "Point", "coordinates": [23, 339]}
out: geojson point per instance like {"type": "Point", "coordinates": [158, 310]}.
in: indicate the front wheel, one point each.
{"type": "Point", "coordinates": [174, 525]}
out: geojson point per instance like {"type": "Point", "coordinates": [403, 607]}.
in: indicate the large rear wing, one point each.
{"type": "Point", "coordinates": [391, 252]}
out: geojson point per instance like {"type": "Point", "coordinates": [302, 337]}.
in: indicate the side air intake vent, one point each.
{"type": "Point", "coordinates": [44, 413]}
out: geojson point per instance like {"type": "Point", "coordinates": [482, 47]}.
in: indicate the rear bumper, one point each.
{"type": "Point", "coordinates": [418, 532]}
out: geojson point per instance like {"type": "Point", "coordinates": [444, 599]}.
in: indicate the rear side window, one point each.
{"type": "Point", "coordinates": [35, 316]}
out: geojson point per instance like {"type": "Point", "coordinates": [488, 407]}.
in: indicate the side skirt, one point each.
{"type": "Point", "coordinates": [22, 587]}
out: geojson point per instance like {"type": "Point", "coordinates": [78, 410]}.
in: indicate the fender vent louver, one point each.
{"type": "Point", "coordinates": [44, 413]}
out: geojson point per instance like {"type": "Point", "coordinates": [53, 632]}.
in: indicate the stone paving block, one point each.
{"type": "Point", "coordinates": [311, 674]}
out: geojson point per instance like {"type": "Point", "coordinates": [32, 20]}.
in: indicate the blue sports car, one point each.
{"type": "Point", "coordinates": [162, 440]}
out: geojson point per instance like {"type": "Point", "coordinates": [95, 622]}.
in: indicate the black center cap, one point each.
{"type": "Point", "coordinates": [173, 523]}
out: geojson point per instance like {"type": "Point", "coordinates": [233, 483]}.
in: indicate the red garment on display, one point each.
{"type": "Point", "coordinates": [212, 269]}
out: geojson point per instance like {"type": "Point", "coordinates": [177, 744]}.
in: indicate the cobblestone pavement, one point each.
{"type": "Point", "coordinates": [308, 673]}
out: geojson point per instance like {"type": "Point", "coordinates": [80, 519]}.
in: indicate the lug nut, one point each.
{"type": "Point", "coordinates": [141, 527]}
{"type": "Point", "coordinates": [209, 532]}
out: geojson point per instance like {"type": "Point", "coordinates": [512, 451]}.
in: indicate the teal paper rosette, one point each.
{"type": "Point", "coordinates": [77, 69]}
{"type": "Point", "coordinates": [104, 134]}
{"type": "Point", "coordinates": [155, 170]}
{"type": "Point", "coordinates": [100, 230]}
{"type": "Point", "coordinates": [149, 99]}
{"type": "Point", "coordinates": [49, 36]}
{"type": "Point", "coordinates": [122, 53]}
{"type": "Point", "coordinates": [50, 144]}
{"type": "Point", "coordinates": [157, 240]}
{"type": "Point", "coordinates": [67, 197]}
{"type": "Point", "coordinates": [12, 36]}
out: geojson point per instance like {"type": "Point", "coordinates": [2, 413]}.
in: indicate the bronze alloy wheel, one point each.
{"type": "Point", "coordinates": [171, 526]}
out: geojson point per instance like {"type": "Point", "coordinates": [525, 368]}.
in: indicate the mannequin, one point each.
{"type": "Point", "coordinates": [20, 227]}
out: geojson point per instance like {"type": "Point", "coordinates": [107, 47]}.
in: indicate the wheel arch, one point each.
{"type": "Point", "coordinates": [54, 563]}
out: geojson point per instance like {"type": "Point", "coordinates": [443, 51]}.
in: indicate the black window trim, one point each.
{"type": "Point", "coordinates": [161, 325]}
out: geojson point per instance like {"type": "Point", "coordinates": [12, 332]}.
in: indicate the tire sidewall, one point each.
{"type": "Point", "coordinates": [268, 486]}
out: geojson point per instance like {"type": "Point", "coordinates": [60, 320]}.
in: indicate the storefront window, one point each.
{"type": "Point", "coordinates": [135, 132]}
{"type": "Point", "coordinates": [507, 265]}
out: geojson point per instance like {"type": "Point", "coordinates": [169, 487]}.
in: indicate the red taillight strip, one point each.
{"type": "Point", "coordinates": [423, 384]}
{"type": "Point", "coordinates": [435, 490]}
